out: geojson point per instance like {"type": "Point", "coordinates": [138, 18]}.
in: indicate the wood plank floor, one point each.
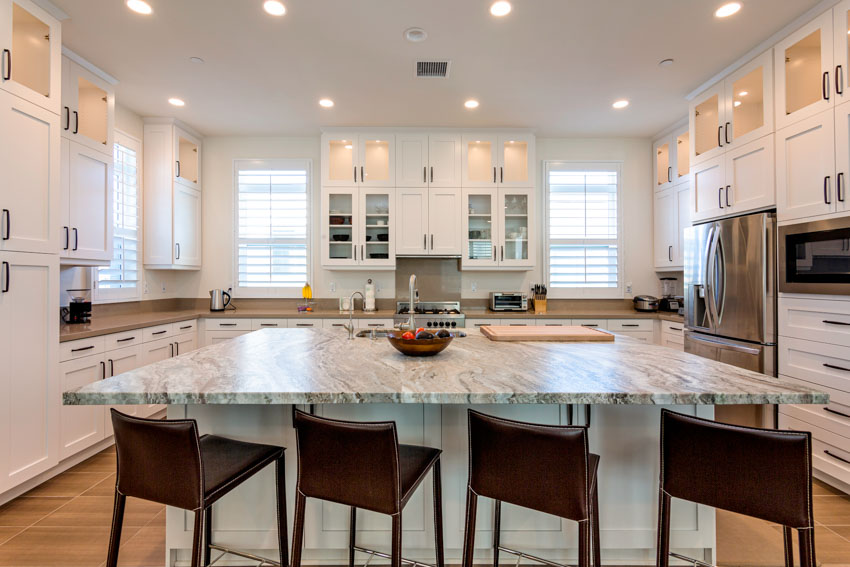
{"type": "Point", "coordinates": [65, 523]}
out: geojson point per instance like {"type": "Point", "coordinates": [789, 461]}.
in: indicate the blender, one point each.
{"type": "Point", "coordinates": [670, 301]}
{"type": "Point", "coordinates": [79, 306]}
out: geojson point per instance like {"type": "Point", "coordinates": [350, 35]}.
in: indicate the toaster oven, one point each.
{"type": "Point", "coordinates": [508, 301]}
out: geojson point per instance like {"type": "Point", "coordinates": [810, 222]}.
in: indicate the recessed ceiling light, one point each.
{"type": "Point", "coordinates": [665, 62]}
{"type": "Point", "coordinates": [620, 104]}
{"type": "Point", "coordinates": [736, 103]}
{"type": "Point", "coordinates": [326, 103]}
{"type": "Point", "coordinates": [500, 8]}
{"type": "Point", "coordinates": [471, 103]}
{"type": "Point", "coordinates": [176, 102]}
{"type": "Point", "coordinates": [274, 7]}
{"type": "Point", "coordinates": [743, 93]}
{"type": "Point", "coordinates": [727, 10]}
{"type": "Point", "coordinates": [139, 6]}
{"type": "Point", "coordinates": [415, 35]}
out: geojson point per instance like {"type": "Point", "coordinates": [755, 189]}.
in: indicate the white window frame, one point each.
{"type": "Point", "coordinates": [112, 295]}
{"type": "Point", "coordinates": [266, 164]}
{"type": "Point", "coordinates": [585, 292]}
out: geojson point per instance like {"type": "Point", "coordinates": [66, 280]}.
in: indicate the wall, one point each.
{"type": "Point", "coordinates": [220, 152]}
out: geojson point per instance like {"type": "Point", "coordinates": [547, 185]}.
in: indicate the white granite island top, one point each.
{"type": "Point", "coordinates": [314, 366]}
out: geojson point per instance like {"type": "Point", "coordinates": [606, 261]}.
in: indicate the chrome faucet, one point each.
{"type": "Point", "coordinates": [411, 307]}
{"type": "Point", "coordinates": [350, 326]}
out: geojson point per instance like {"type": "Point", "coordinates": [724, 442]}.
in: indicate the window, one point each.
{"type": "Point", "coordinates": [272, 241]}
{"type": "Point", "coordinates": [584, 239]}
{"type": "Point", "coordinates": [119, 281]}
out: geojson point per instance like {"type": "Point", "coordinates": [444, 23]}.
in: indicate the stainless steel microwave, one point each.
{"type": "Point", "coordinates": [814, 257]}
{"type": "Point", "coordinates": [508, 301]}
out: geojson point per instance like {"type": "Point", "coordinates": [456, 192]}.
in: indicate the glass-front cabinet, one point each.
{"type": "Point", "coordinates": [339, 235]}
{"type": "Point", "coordinates": [88, 107]}
{"type": "Point", "coordinates": [480, 228]}
{"type": "Point", "coordinates": [480, 163]}
{"type": "Point", "coordinates": [505, 160]}
{"type": "Point", "coordinates": [187, 165]}
{"type": "Point", "coordinates": [30, 47]}
{"type": "Point", "coordinates": [498, 228]}
{"type": "Point", "coordinates": [841, 35]}
{"type": "Point", "coordinates": [706, 117]}
{"type": "Point", "coordinates": [366, 160]}
{"type": "Point", "coordinates": [516, 233]}
{"type": "Point", "coordinates": [671, 159]}
{"type": "Point", "coordinates": [357, 227]}
{"type": "Point", "coordinates": [376, 216]}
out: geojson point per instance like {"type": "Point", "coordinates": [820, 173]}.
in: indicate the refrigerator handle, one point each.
{"type": "Point", "coordinates": [723, 344]}
{"type": "Point", "coordinates": [711, 303]}
{"type": "Point", "coordinates": [720, 254]}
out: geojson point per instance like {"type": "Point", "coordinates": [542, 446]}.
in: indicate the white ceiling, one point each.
{"type": "Point", "coordinates": [551, 65]}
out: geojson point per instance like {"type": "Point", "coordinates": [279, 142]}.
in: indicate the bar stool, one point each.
{"type": "Point", "coordinates": [362, 465]}
{"type": "Point", "coordinates": [763, 473]}
{"type": "Point", "coordinates": [546, 468]}
{"type": "Point", "coordinates": [166, 461]}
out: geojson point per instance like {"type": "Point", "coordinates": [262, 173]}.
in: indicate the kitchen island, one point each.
{"type": "Point", "coordinates": [245, 388]}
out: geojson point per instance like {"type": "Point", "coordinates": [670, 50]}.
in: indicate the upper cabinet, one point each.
{"type": "Point", "coordinates": [734, 111]}
{"type": "Point", "coordinates": [88, 107]}
{"type": "Point", "coordinates": [358, 227]}
{"type": "Point", "coordinates": [30, 53]}
{"type": "Point", "coordinates": [498, 228]}
{"type": "Point", "coordinates": [187, 159]}
{"type": "Point", "coordinates": [498, 160]}
{"type": "Point", "coordinates": [671, 217]}
{"type": "Point", "coordinates": [358, 159]}
{"type": "Point", "coordinates": [424, 160]}
{"type": "Point", "coordinates": [671, 161]}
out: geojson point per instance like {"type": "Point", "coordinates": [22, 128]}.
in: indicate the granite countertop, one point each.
{"type": "Point", "coordinates": [306, 366]}
{"type": "Point", "coordinates": [106, 324]}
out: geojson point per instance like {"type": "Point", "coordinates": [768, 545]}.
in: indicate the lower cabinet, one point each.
{"type": "Point", "coordinates": [673, 335]}
{"type": "Point", "coordinates": [119, 361]}
{"type": "Point", "coordinates": [82, 426]}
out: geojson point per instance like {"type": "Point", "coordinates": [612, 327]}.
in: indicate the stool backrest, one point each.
{"type": "Point", "coordinates": [355, 464]}
{"type": "Point", "coordinates": [542, 467]}
{"type": "Point", "coordinates": [763, 473]}
{"type": "Point", "coordinates": [159, 460]}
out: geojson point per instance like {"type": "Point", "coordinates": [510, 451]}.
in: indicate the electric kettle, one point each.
{"type": "Point", "coordinates": [219, 299]}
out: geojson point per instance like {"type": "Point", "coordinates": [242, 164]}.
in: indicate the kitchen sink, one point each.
{"type": "Point", "coordinates": [373, 333]}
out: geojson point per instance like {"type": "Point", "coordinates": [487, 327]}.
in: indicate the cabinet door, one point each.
{"type": "Point", "coordinates": [215, 337]}
{"type": "Point", "coordinates": [749, 102]}
{"type": "Point", "coordinates": [516, 166]}
{"type": "Point", "coordinates": [82, 426]}
{"type": "Point", "coordinates": [89, 204]}
{"type": "Point", "coordinates": [841, 50]}
{"type": "Point", "coordinates": [805, 167]}
{"type": "Point", "coordinates": [444, 160]}
{"type": "Point", "coordinates": [339, 160]}
{"type": "Point", "coordinates": [158, 195]}
{"type": "Point", "coordinates": [156, 351]}
{"type": "Point", "coordinates": [117, 362]}
{"type": "Point", "coordinates": [516, 227]}
{"type": "Point", "coordinates": [187, 159]}
{"type": "Point", "coordinates": [480, 164]}
{"type": "Point", "coordinates": [842, 155]}
{"type": "Point", "coordinates": [33, 39]}
{"type": "Point", "coordinates": [29, 385]}
{"type": "Point", "coordinates": [707, 187]}
{"type": "Point", "coordinates": [29, 169]}
{"type": "Point", "coordinates": [377, 219]}
{"type": "Point", "coordinates": [682, 153]}
{"type": "Point", "coordinates": [340, 238]}
{"type": "Point", "coordinates": [665, 221]}
{"type": "Point", "coordinates": [750, 176]}
{"type": "Point", "coordinates": [803, 71]}
{"type": "Point", "coordinates": [412, 227]}
{"type": "Point", "coordinates": [411, 160]}
{"type": "Point", "coordinates": [88, 108]}
{"type": "Point", "coordinates": [683, 205]}
{"type": "Point", "coordinates": [187, 226]}
{"type": "Point", "coordinates": [664, 160]}
{"type": "Point", "coordinates": [185, 343]}
{"type": "Point", "coordinates": [480, 228]}
{"type": "Point", "coordinates": [706, 121]}
{"type": "Point", "coordinates": [376, 153]}
{"type": "Point", "coordinates": [444, 222]}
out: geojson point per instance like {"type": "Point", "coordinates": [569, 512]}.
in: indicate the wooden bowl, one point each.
{"type": "Point", "coordinates": [418, 347]}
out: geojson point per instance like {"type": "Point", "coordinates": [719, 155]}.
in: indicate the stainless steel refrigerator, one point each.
{"type": "Point", "coordinates": [730, 291]}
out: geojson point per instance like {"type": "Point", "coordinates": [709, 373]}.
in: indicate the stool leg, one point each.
{"type": "Point", "coordinates": [352, 527]}
{"type": "Point", "coordinates": [469, 529]}
{"type": "Point", "coordinates": [298, 528]}
{"type": "Point", "coordinates": [115, 534]}
{"type": "Point", "coordinates": [280, 486]}
{"type": "Point", "coordinates": [584, 543]}
{"type": "Point", "coordinates": [396, 552]}
{"type": "Point", "coordinates": [807, 548]}
{"type": "Point", "coordinates": [197, 536]}
{"type": "Point", "coordinates": [663, 529]}
{"type": "Point", "coordinates": [594, 526]}
{"type": "Point", "coordinates": [789, 546]}
{"type": "Point", "coordinates": [438, 515]}
{"type": "Point", "coordinates": [207, 534]}
{"type": "Point", "coordinates": [497, 531]}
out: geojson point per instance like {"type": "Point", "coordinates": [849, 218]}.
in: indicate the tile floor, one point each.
{"type": "Point", "coordinates": [65, 523]}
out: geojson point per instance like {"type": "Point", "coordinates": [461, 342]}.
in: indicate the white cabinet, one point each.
{"type": "Point", "coordinates": [842, 155]}
{"type": "Point", "coordinates": [841, 50]}
{"type": "Point", "coordinates": [30, 172]}
{"type": "Point", "coordinates": [86, 214]}
{"type": "Point", "coordinates": [671, 159]}
{"type": "Point", "coordinates": [805, 167]}
{"type": "Point", "coordinates": [673, 335]}
{"type": "Point", "coordinates": [707, 188]}
{"type": "Point", "coordinates": [665, 225]}
{"type": "Point", "coordinates": [498, 228]}
{"type": "Point", "coordinates": [429, 222]}
{"type": "Point", "coordinates": [31, 49]}
{"type": "Point", "coordinates": [81, 426]}
{"type": "Point", "coordinates": [359, 227]}
{"type": "Point", "coordinates": [517, 242]}
{"type": "Point", "coordinates": [172, 198]}
{"type": "Point", "coordinates": [411, 152]}
{"type": "Point", "coordinates": [498, 159]}
{"type": "Point", "coordinates": [366, 159]}
{"type": "Point", "coordinates": [444, 160]}
{"type": "Point", "coordinates": [424, 160]}
{"type": "Point", "coordinates": [88, 107]}
{"type": "Point", "coordinates": [29, 383]}
{"type": "Point", "coordinates": [119, 361]}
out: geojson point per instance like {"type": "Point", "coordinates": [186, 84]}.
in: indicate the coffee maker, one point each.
{"type": "Point", "coordinates": [669, 301]}
{"type": "Point", "coordinates": [79, 306]}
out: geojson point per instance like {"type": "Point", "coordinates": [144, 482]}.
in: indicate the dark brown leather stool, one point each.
{"type": "Point", "coordinates": [547, 468]}
{"type": "Point", "coordinates": [763, 473]}
{"type": "Point", "coordinates": [361, 465]}
{"type": "Point", "coordinates": [166, 461]}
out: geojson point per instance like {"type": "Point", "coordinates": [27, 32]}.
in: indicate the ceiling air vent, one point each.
{"type": "Point", "coordinates": [433, 69]}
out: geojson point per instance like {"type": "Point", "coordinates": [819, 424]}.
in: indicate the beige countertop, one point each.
{"type": "Point", "coordinates": [116, 323]}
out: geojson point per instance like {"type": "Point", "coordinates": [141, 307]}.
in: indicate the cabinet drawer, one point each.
{"type": "Point", "coordinates": [228, 324]}
{"type": "Point", "coordinates": [304, 323]}
{"type": "Point", "coordinates": [80, 348]}
{"type": "Point", "coordinates": [554, 322]}
{"type": "Point", "coordinates": [158, 332]}
{"type": "Point", "coordinates": [375, 323]}
{"type": "Point", "coordinates": [673, 340]}
{"type": "Point", "coordinates": [818, 363]}
{"type": "Point", "coordinates": [518, 322]}
{"type": "Point", "coordinates": [592, 323]}
{"type": "Point", "coordinates": [673, 328]}
{"type": "Point", "coordinates": [815, 319]}
{"type": "Point", "coordinates": [645, 336]}
{"type": "Point", "coordinates": [834, 421]}
{"type": "Point", "coordinates": [125, 339]}
{"type": "Point", "coordinates": [257, 324]}
{"type": "Point", "coordinates": [630, 325]}
{"type": "Point", "coordinates": [183, 327]}
{"type": "Point", "coordinates": [336, 323]}
{"type": "Point", "coordinates": [830, 452]}
{"type": "Point", "coordinates": [839, 401]}
{"type": "Point", "coordinates": [478, 323]}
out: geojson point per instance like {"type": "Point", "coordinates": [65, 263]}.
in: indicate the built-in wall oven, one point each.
{"type": "Point", "coordinates": [814, 257]}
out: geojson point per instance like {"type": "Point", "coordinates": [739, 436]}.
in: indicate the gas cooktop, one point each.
{"type": "Point", "coordinates": [431, 314]}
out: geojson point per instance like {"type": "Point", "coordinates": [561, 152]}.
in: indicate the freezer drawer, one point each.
{"type": "Point", "coordinates": [759, 358]}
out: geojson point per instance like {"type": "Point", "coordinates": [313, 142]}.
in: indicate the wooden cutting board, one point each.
{"type": "Point", "coordinates": [563, 334]}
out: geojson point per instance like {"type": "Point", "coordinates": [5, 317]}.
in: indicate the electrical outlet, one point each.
{"type": "Point", "coordinates": [377, 287]}
{"type": "Point", "coordinates": [628, 287]}
{"type": "Point", "coordinates": [474, 286]}
{"type": "Point", "coordinates": [163, 287]}
{"type": "Point", "coordinates": [147, 288]}
{"type": "Point", "coordinates": [333, 287]}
